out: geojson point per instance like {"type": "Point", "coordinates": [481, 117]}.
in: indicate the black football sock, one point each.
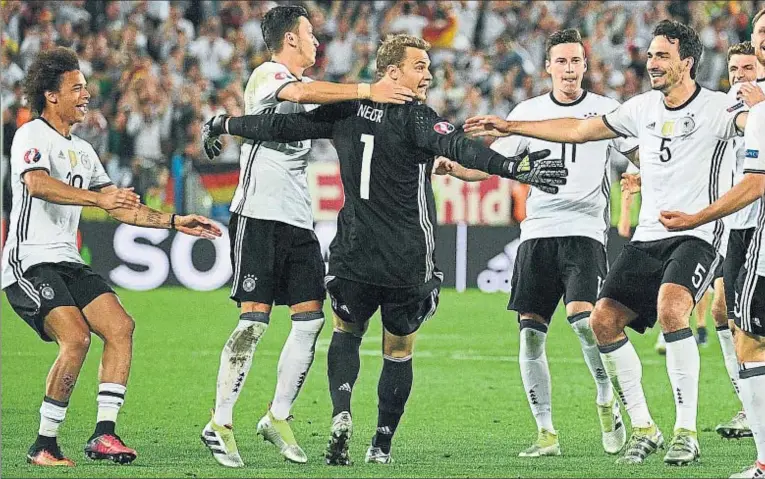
{"type": "Point", "coordinates": [343, 366]}
{"type": "Point", "coordinates": [392, 393]}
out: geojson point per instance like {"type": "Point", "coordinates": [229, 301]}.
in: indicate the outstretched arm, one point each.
{"type": "Point", "coordinates": [747, 191]}
{"type": "Point", "coordinates": [281, 128]}
{"type": "Point", "coordinates": [561, 130]}
{"type": "Point", "coordinates": [142, 215]}
{"type": "Point", "coordinates": [322, 92]}
{"type": "Point", "coordinates": [438, 137]}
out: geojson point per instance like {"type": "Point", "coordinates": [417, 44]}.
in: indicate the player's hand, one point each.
{"type": "Point", "coordinates": [487, 125]}
{"type": "Point", "coordinates": [751, 94]}
{"type": "Point", "coordinates": [388, 92]}
{"type": "Point", "coordinates": [443, 166]}
{"type": "Point", "coordinates": [196, 225]}
{"type": "Point", "coordinates": [631, 183]}
{"type": "Point", "coordinates": [678, 221]}
{"type": "Point", "coordinates": [211, 130]}
{"type": "Point", "coordinates": [118, 198]}
{"type": "Point", "coordinates": [533, 169]}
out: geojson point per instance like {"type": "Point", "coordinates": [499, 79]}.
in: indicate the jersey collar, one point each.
{"type": "Point", "coordinates": [687, 102]}
{"type": "Point", "coordinates": [52, 128]}
{"type": "Point", "coordinates": [575, 102]}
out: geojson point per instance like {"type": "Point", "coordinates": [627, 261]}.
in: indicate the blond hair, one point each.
{"type": "Point", "coordinates": [392, 51]}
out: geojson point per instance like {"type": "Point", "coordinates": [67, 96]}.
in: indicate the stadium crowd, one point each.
{"type": "Point", "coordinates": [157, 69]}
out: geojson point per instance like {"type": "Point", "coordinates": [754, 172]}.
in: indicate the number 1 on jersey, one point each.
{"type": "Point", "coordinates": [366, 164]}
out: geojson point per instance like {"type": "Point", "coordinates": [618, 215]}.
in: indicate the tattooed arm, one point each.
{"type": "Point", "coordinates": [146, 217]}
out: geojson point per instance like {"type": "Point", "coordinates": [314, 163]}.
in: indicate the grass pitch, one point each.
{"type": "Point", "coordinates": [467, 415]}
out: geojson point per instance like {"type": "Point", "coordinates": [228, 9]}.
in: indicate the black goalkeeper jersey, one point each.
{"type": "Point", "coordinates": [387, 226]}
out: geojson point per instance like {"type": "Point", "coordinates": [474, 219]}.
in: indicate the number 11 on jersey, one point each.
{"type": "Point", "coordinates": [366, 164]}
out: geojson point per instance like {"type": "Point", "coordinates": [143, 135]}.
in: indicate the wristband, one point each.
{"type": "Point", "coordinates": [172, 221]}
{"type": "Point", "coordinates": [364, 91]}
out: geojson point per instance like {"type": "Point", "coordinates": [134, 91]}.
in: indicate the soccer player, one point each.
{"type": "Point", "coordinates": [53, 175]}
{"type": "Point", "coordinates": [743, 67]}
{"type": "Point", "coordinates": [749, 312]}
{"type": "Point", "coordinates": [275, 254]}
{"type": "Point", "coordinates": [383, 253]}
{"type": "Point", "coordinates": [563, 242]}
{"type": "Point", "coordinates": [682, 131]}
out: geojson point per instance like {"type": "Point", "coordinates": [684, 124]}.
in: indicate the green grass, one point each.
{"type": "Point", "coordinates": [467, 415]}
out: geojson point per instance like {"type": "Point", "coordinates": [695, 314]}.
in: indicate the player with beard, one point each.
{"type": "Point", "coordinates": [563, 241]}
{"type": "Point", "coordinates": [683, 132]}
{"type": "Point", "coordinates": [749, 312]}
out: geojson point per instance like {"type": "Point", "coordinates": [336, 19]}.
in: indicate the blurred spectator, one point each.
{"type": "Point", "coordinates": [340, 53]}
{"type": "Point", "coordinates": [212, 51]}
{"type": "Point", "coordinates": [157, 69]}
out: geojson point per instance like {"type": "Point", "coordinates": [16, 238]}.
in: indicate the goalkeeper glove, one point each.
{"type": "Point", "coordinates": [534, 170]}
{"type": "Point", "coordinates": [211, 132]}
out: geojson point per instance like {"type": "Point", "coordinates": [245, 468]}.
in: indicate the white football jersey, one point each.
{"type": "Point", "coordinates": [683, 160]}
{"type": "Point", "coordinates": [754, 137]}
{"type": "Point", "coordinates": [43, 232]}
{"type": "Point", "coordinates": [272, 180]}
{"type": "Point", "coordinates": [746, 217]}
{"type": "Point", "coordinates": [581, 206]}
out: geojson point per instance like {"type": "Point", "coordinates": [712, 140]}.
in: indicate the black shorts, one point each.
{"type": "Point", "coordinates": [274, 263]}
{"type": "Point", "coordinates": [750, 302]}
{"type": "Point", "coordinates": [403, 310]}
{"type": "Point", "coordinates": [735, 258]}
{"type": "Point", "coordinates": [642, 267]}
{"type": "Point", "coordinates": [46, 286]}
{"type": "Point", "coordinates": [545, 269]}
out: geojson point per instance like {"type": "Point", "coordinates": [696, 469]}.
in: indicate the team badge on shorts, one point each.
{"type": "Point", "coordinates": [248, 285]}
{"type": "Point", "coordinates": [47, 292]}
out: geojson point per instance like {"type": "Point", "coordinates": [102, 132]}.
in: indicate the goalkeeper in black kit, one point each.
{"type": "Point", "coordinates": [383, 253]}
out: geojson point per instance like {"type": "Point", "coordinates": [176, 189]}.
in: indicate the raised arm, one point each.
{"type": "Point", "coordinates": [322, 92]}
{"type": "Point", "coordinates": [281, 128]}
{"type": "Point", "coordinates": [560, 130]}
{"type": "Point", "coordinates": [438, 137]}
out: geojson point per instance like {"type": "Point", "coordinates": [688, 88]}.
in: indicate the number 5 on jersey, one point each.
{"type": "Point", "coordinates": [366, 164]}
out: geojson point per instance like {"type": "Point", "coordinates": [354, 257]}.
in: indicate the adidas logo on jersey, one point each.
{"type": "Point", "coordinates": [497, 276]}
{"type": "Point", "coordinates": [651, 125]}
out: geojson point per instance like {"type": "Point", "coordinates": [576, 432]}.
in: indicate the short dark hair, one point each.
{"type": "Point", "coordinates": [757, 17]}
{"type": "Point", "coordinates": [743, 48]}
{"type": "Point", "coordinates": [45, 74]}
{"type": "Point", "coordinates": [690, 43]}
{"type": "Point", "coordinates": [569, 35]}
{"type": "Point", "coordinates": [278, 21]}
{"type": "Point", "coordinates": [392, 51]}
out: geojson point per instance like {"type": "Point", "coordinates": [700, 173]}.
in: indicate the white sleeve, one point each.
{"type": "Point", "coordinates": [624, 120]}
{"type": "Point", "coordinates": [512, 145]}
{"type": "Point", "coordinates": [632, 169]}
{"type": "Point", "coordinates": [266, 82]}
{"type": "Point", "coordinates": [29, 151]}
{"type": "Point", "coordinates": [754, 140]}
{"type": "Point", "coordinates": [726, 109]}
{"type": "Point", "coordinates": [625, 146]}
{"type": "Point", "coordinates": [99, 179]}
